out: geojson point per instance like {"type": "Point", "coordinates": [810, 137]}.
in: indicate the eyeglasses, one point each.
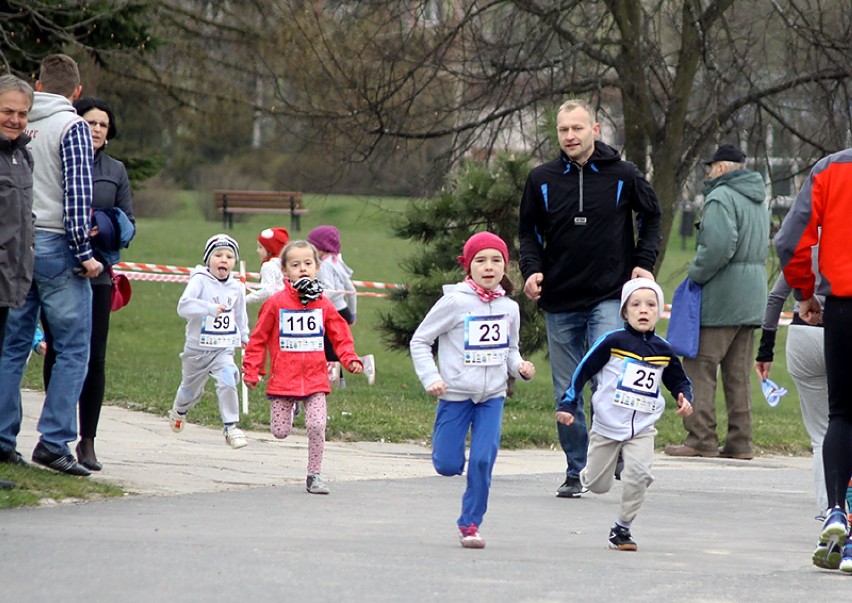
{"type": "Point", "coordinates": [101, 124]}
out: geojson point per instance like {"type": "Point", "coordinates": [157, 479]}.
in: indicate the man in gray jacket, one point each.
{"type": "Point", "coordinates": [62, 203]}
{"type": "Point", "coordinates": [729, 264]}
{"type": "Point", "coordinates": [16, 196]}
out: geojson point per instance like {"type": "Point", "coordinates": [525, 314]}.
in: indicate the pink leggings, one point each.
{"type": "Point", "coordinates": [281, 422]}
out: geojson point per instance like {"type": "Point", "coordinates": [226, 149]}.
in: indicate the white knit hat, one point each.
{"type": "Point", "coordinates": [641, 283]}
{"type": "Point", "coordinates": [220, 240]}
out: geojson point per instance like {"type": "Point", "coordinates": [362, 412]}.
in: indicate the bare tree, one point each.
{"type": "Point", "coordinates": [671, 77]}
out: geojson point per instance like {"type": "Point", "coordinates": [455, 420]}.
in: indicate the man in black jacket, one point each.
{"type": "Point", "coordinates": [578, 248]}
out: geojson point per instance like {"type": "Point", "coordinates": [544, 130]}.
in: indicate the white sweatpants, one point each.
{"type": "Point", "coordinates": [599, 473]}
{"type": "Point", "coordinates": [806, 365]}
{"type": "Point", "coordinates": [198, 365]}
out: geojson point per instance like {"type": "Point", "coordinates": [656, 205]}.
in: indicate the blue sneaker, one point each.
{"type": "Point", "coordinates": [828, 555]}
{"type": "Point", "coordinates": [846, 559]}
{"type": "Point", "coordinates": [835, 528]}
{"type": "Point", "coordinates": [829, 551]}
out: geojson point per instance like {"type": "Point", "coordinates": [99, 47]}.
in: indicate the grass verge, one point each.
{"type": "Point", "coordinates": [143, 368]}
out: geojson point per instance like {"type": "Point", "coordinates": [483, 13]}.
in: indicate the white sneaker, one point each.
{"type": "Point", "coordinates": [315, 484]}
{"type": "Point", "coordinates": [176, 420]}
{"type": "Point", "coordinates": [369, 368]}
{"type": "Point", "coordinates": [334, 374]}
{"type": "Point", "coordinates": [235, 437]}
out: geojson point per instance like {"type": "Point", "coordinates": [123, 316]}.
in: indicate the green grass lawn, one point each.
{"type": "Point", "coordinates": [143, 368]}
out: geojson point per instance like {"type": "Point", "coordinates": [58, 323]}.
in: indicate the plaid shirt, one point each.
{"type": "Point", "coordinates": [77, 154]}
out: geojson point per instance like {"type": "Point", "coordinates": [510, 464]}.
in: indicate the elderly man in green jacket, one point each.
{"type": "Point", "coordinates": [729, 264]}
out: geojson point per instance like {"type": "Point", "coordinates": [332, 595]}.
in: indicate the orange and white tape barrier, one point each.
{"type": "Point", "coordinates": [164, 273]}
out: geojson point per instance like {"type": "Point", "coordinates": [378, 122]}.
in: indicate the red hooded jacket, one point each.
{"type": "Point", "coordinates": [295, 373]}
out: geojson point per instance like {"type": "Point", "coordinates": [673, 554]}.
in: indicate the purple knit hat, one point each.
{"type": "Point", "coordinates": [325, 238]}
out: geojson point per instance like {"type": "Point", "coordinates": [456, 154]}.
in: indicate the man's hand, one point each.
{"type": "Point", "coordinates": [641, 273]}
{"type": "Point", "coordinates": [91, 268]}
{"type": "Point", "coordinates": [810, 310]}
{"type": "Point", "coordinates": [532, 288]}
{"type": "Point", "coordinates": [566, 418]}
{"type": "Point", "coordinates": [762, 369]}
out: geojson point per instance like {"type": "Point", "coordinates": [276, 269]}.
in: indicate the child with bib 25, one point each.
{"type": "Point", "coordinates": [630, 364]}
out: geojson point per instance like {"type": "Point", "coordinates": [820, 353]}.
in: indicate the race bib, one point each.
{"type": "Point", "coordinates": [219, 331]}
{"type": "Point", "coordinates": [300, 330]}
{"type": "Point", "coordinates": [639, 386]}
{"type": "Point", "coordinates": [486, 340]}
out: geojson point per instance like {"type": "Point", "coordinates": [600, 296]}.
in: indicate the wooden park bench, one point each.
{"type": "Point", "coordinates": [260, 202]}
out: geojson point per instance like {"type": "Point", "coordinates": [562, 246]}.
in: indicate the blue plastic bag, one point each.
{"type": "Point", "coordinates": [685, 321]}
{"type": "Point", "coordinates": [772, 392]}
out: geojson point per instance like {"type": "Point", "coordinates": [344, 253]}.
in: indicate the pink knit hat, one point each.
{"type": "Point", "coordinates": [325, 238]}
{"type": "Point", "coordinates": [480, 241]}
{"type": "Point", "coordinates": [273, 239]}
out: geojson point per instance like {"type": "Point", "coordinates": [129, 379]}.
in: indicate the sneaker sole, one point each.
{"type": "Point", "coordinates": [828, 557]}
{"type": "Point", "coordinates": [568, 495]}
{"type": "Point", "coordinates": [473, 544]}
{"type": "Point", "coordinates": [623, 547]}
{"type": "Point", "coordinates": [834, 532]}
{"type": "Point", "coordinates": [846, 565]}
{"type": "Point", "coordinates": [237, 444]}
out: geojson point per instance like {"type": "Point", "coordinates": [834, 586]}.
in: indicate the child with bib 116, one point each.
{"type": "Point", "coordinates": [629, 364]}
{"type": "Point", "coordinates": [290, 329]}
{"type": "Point", "coordinates": [477, 327]}
{"type": "Point", "coordinates": [214, 306]}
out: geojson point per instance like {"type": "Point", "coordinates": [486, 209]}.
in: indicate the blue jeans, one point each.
{"type": "Point", "coordinates": [569, 336]}
{"type": "Point", "coordinates": [65, 299]}
{"type": "Point", "coordinates": [452, 421]}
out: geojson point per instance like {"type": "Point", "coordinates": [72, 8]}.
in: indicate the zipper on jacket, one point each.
{"type": "Point", "coordinates": [580, 168]}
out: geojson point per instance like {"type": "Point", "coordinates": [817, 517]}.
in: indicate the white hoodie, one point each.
{"type": "Point", "coordinates": [204, 293]}
{"type": "Point", "coordinates": [446, 322]}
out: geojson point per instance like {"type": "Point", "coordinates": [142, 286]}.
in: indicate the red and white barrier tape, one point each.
{"type": "Point", "coordinates": [183, 278]}
{"type": "Point", "coordinates": [155, 272]}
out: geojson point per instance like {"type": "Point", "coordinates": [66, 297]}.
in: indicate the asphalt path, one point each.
{"type": "Point", "coordinates": [205, 523]}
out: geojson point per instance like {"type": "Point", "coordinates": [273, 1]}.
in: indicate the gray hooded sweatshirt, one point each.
{"type": "Point", "coordinates": [455, 320]}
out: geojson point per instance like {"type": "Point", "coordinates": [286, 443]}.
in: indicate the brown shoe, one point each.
{"type": "Point", "coordinates": [743, 456]}
{"type": "Point", "coordinates": [684, 450]}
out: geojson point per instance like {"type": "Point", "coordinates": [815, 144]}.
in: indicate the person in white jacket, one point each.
{"type": "Point", "coordinates": [270, 242]}
{"type": "Point", "coordinates": [477, 328]}
{"type": "Point", "coordinates": [214, 306]}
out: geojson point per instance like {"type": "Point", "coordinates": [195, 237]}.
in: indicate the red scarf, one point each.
{"type": "Point", "coordinates": [484, 294]}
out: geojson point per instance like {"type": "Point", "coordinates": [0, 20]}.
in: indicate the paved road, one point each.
{"type": "Point", "coordinates": [211, 524]}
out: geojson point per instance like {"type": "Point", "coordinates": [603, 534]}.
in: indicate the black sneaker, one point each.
{"type": "Point", "coordinates": [13, 457]}
{"type": "Point", "coordinates": [571, 488]}
{"type": "Point", "coordinates": [621, 539]}
{"type": "Point", "coordinates": [58, 462]}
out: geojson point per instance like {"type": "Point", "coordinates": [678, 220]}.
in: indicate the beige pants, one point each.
{"type": "Point", "coordinates": [732, 350]}
{"type": "Point", "coordinates": [599, 474]}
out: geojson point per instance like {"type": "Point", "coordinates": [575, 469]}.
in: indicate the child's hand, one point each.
{"type": "Point", "coordinates": [527, 370]}
{"type": "Point", "coordinates": [250, 384]}
{"type": "Point", "coordinates": [437, 389]}
{"type": "Point", "coordinates": [41, 348]}
{"type": "Point", "coordinates": [684, 408]}
{"type": "Point", "coordinates": [355, 367]}
{"type": "Point", "coordinates": [566, 418]}
{"type": "Point", "coordinates": [221, 308]}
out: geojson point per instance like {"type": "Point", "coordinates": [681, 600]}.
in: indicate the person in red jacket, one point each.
{"type": "Point", "coordinates": [290, 328]}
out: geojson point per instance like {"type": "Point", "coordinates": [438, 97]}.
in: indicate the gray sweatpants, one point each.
{"type": "Point", "coordinates": [198, 365]}
{"type": "Point", "coordinates": [806, 365]}
{"type": "Point", "coordinates": [599, 473]}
